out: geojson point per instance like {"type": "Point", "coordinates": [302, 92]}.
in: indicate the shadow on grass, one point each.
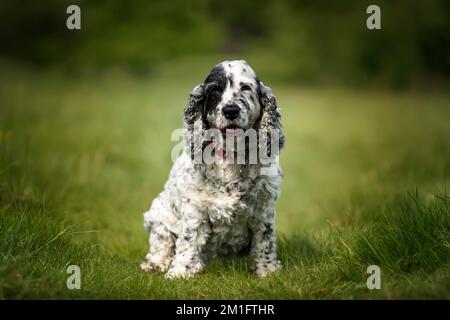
{"type": "Point", "coordinates": [411, 234]}
{"type": "Point", "coordinates": [295, 250]}
{"type": "Point", "coordinates": [299, 249]}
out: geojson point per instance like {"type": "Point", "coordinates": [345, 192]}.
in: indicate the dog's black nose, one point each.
{"type": "Point", "coordinates": [231, 111]}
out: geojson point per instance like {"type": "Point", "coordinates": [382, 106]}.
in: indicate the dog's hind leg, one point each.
{"type": "Point", "coordinates": [162, 249]}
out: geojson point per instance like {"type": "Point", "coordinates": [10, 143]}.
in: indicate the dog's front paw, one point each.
{"type": "Point", "coordinates": [148, 266]}
{"type": "Point", "coordinates": [264, 269]}
{"type": "Point", "coordinates": [153, 267]}
{"type": "Point", "coordinates": [156, 263]}
{"type": "Point", "coordinates": [182, 271]}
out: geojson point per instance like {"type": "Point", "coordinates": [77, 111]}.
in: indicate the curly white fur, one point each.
{"type": "Point", "coordinates": [211, 210]}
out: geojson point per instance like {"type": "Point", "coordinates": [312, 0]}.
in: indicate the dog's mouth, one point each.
{"type": "Point", "coordinates": [231, 129]}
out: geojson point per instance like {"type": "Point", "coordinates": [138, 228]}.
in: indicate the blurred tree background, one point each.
{"type": "Point", "coordinates": [308, 42]}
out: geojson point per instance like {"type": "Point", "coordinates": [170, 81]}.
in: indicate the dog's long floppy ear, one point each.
{"type": "Point", "coordinates": [270, 116]}
{"type": "Point", "coordinates": [194, 122]}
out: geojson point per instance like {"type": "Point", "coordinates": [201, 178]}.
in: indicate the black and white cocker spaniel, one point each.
{"type": "Point", "coordinates": [220, 207]}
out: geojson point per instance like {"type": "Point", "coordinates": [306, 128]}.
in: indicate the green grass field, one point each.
{"type": "Point", "coordinates": [366, 182]}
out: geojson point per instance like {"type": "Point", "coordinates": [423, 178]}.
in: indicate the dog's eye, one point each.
{"type": "Point", "coordinates": [245, 87]}
{"type": "Point", "coordinates": [213, 88]}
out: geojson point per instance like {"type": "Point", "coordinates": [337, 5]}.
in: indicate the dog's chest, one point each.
{"type": "Point", "coordinates": [231, 202]}
{"type": "Point", "coordinates": [227, 205]}
{"type": "Point", "coordinates": [229, 220]}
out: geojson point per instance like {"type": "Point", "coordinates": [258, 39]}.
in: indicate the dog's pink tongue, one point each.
{"type": "Point", "coordinates": [232, 130]}
{"type": "Point", "coordinates": [221, 153]}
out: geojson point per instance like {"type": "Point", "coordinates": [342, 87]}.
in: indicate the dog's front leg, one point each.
{"type": "Point", "coordinates": [189, 245]}
{"type": "Point", "coordinates": [264, 247]}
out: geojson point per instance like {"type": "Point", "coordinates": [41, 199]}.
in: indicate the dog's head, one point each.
{"type": "Point", "coordinates": [232, 97]}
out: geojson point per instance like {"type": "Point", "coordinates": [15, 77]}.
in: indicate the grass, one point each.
{"type": "Point", "coordinates": [366, 178]}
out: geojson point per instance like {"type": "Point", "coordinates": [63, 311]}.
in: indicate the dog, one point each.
{"type": "Point", "coordinates": [221, 208]}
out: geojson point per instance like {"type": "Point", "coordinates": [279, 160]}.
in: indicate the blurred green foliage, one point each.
{"type": "Point", "coordinates": [298, 41]}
